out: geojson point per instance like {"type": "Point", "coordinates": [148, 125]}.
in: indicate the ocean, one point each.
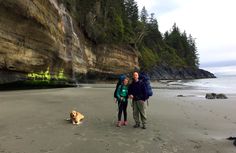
{"type": "Point", "coordinates": [224, 83]}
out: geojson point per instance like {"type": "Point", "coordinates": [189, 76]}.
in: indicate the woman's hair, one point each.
{"type": "Point", "coordinates": [126, 78]}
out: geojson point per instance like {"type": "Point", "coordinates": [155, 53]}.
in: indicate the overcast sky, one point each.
{"type": "Point", "coordinates": [211, 22]}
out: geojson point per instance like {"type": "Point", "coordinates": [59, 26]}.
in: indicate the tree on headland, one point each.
{"type": "Point", "coordinates": [118, 22]}
{"type": "Point", "coordinates": [185, 46]}
{"type": "Point", "coordinates": [144, 15]}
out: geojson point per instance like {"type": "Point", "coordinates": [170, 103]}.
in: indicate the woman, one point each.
{"type": "Point", "coordinates": [122, 98]}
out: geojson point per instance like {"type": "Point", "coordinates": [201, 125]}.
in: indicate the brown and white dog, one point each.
{"type": "Point", "coordinates": [76, 117]}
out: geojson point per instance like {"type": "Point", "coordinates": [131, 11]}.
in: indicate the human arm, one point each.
{"type": "Point", "coordinates": [130, 92]}
{"type": "Point", "coordinates": [118, 93]}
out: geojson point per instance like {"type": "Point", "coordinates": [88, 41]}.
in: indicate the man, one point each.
{"type": "Point", "coordinates": [138, 93]}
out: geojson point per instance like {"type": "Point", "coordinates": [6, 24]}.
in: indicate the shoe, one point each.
{"type": "Point", "coordinates": [118, 124]}
{"type": "Point", "coordinates": [144, 126]}
{"type": "Point", "coordinates": [125, 123]}
{"type": "Point", "coordinates": [136, 126]}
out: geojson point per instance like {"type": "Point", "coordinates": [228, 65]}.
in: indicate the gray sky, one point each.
{"type": "Point", "coordinates": [211, 22]}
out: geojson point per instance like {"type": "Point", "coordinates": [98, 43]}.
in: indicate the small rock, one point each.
{"type": "Point", "coordinates": [221, 96]}
{"type": "Point", "coordinates": [215, 96]}
{"type": "Point", "coordinates": [210, 96]}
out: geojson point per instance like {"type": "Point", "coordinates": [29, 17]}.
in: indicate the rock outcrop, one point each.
{"type": "Point", "coordinates": [173, 73]}
{"type": "Point", "coordinates": [39, 35]}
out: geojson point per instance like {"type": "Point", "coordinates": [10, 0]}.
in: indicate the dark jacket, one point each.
{"type": "Point", "coordinates": [137, 89]}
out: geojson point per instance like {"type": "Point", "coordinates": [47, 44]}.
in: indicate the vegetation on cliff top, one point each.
{"type": "Point", "coordinates": [119, 22]}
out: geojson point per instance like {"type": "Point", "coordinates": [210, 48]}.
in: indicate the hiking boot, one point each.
{"type": "Point", "coordinates": [118, 124]}
{"type": "Point", "coordinates": [144, 126]}
{"type": "Point", "coordinates": [136, 126]}
{"type": "Point", "coordinates": [125, 123]}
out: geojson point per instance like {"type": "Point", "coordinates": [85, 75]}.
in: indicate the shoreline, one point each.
{"type": "Point", "coordinates": [35, 121]}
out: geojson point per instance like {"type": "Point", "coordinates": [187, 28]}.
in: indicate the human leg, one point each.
{"type": "Point", "coordinates": [125, 104]}
{"type": "Point", "coordinates": [142, 111]}
{"type": "Point", "coordinates": [119, 114]}
{"type": "Point", "coordinates": [136, 114]}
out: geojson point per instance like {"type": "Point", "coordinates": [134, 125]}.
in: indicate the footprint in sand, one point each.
{"type": "Point", "coordinates": [197, 145]}
{"type": "Point", "coordinates": [186, 115]}
{"type": "Point", "coordinates": [18, 137]}
{"type": "Point", "coordinates": [227, 118]}
{"type": "Point", "coordinates": [175, 150]}
{"type": "Point", "coordinates": [107, 146]}
{"type": "Point", "coordinates": [80, 136]}
{"type": "Point", "coordinates": [46, 151]}
{"type": "Point", "coordinates": [157, 139]}
{"type": "Point", "coordinates": [205, 133]}
{"type": "Point", "coordinates": [2, 150]}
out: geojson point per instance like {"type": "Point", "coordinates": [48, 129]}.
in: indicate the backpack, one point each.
{"type": "Point", "coordinates": [145, 79]}
{"type": "Point", "coordinates": [121, 79]}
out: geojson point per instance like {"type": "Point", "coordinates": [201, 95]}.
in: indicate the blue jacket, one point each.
{"type": "Point", "coordinates": [137, 89]}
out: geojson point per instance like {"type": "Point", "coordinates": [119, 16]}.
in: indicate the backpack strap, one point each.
{"type": "Point", "coordinates": [120, 87]}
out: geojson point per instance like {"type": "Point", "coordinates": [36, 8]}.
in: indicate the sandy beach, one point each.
{"type": "Point", "coordinates": [34, 121]}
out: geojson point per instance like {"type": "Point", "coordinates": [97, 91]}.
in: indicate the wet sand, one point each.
{"type": "Point", "coordinates": [34, 121]}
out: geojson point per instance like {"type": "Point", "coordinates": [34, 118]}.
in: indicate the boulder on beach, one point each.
{"type": "Point", "coordinates": [232, 139]}
{"type": "Point", "coordinates": [221, 96]}
{"type": "Point", "coordinates": [215, 96]}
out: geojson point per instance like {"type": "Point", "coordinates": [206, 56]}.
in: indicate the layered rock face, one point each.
{"type": "Point", "coordinates": [39, 35]}
{"type": "Point", "coordinates": [171, 73]}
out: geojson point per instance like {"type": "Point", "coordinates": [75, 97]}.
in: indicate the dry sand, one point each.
{"type": "Point", "coordinates": [34, 121]}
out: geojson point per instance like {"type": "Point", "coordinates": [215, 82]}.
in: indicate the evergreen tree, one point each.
{"type": "Point", "coordinates": [131, 12]}
{"type": "Point", "coordinates": [184, 46]}
{"type": "Point", "coordinates": [153, 37]}
{"type": "Point", "coordinates": [144, 15]}
{"type": "Point", "coordinates": [130, 19]}
{"type": "Point", "coordinates": [118, 22]}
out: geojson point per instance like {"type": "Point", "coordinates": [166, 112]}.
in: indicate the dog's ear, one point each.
{"type": "Point", "coordinates": [71, 115]}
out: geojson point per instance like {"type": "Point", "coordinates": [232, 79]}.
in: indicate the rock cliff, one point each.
{"type": "Point", "coordinates": [38, 36]}
{"type": "Point", "coordinates": [40, 40]}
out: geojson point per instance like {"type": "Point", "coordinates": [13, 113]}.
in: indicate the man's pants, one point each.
{"type": "Point", "coordinates": [139, 108]}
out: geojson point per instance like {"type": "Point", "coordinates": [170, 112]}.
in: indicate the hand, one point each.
{"type": "Point", "coordinates": [115, 100]}
{"type": "Point", "coordinates": [121, 98]}
{"type": "Point", "coordinates": [131, 96]}
{"type": "Point", "coordinates": [142, 101]}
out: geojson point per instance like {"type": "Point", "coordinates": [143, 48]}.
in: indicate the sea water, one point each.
{"type": "Point", "coordinates": [224, 83]}
{"type": "Point", "coordinates": [221, 84]}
